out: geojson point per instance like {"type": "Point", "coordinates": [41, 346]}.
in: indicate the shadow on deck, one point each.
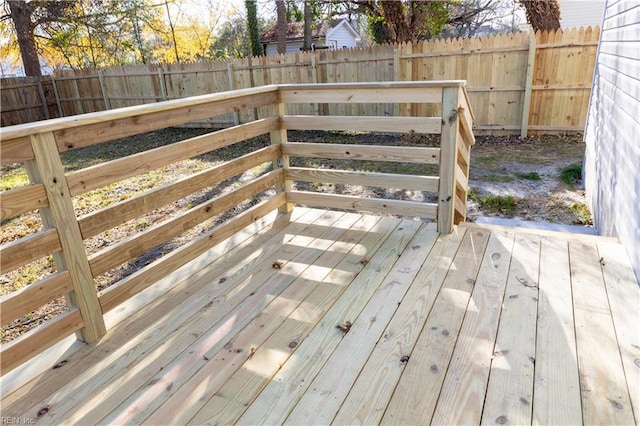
{"type": "Point", "coordinates": [485, 325]}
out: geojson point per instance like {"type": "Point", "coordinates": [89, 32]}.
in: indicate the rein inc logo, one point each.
{"type": "Point", "coordinates": [17, 421]}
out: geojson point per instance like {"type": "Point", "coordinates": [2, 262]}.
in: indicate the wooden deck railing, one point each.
{"type": "Point", "coordinates": [38, 146]}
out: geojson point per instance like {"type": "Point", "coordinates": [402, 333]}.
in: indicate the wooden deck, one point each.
{"type": "Point", "coordinates": [485, 325]}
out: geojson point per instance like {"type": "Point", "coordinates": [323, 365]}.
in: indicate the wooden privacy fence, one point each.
{"type": "Point", "coordinates": [51, 190]}
{"type": "Point", "coordinates": [516, 82]}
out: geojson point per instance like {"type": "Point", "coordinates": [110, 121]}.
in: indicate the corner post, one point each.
{"type": "Point", "coordinates": [448, 160]}
{"type": "Point", "coordinates": [47, 169]}
{"type": "Point", "coordinates": [279, 137]}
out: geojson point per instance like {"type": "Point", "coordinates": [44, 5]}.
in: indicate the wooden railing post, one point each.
{"type": "Point", "coordinates": [448, 160]}
{"type": "Point", "coordinates": [47, 169]}
{"type": "Point", "coordinates": [279, 136]}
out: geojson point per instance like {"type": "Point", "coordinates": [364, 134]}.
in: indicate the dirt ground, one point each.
{"type": "Point", "coordinates": [509, 177]}
{"type": "Point", "coordinates": [529, 170]}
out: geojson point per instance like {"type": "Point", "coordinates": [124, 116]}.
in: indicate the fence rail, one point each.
{"type": "Point", "coordinates": [517, 83]}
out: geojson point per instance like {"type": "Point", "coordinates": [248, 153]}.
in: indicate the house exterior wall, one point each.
{"type": "Point", "coordinates": [581, 13]}
{"type": "Point", "coordinates": [340, 37]}
{"type": "Point", "coordinates": [292, 47]}
{"type": "Point", "coordinates": [612, 134]}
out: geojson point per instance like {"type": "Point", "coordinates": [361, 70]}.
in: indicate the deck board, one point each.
{"type": "Point", "coordinates": [510, 389]}
{"type": "Point", "coordinates": [466, 380]}
{"type": "Point", "coordinates": [485, 325]}
{"type": "Point", "coordinates": [556, 394]}
{"type": "Point", "coordinates": [416, 395]}
{"type": "Point", "coordinates": [604, 391]}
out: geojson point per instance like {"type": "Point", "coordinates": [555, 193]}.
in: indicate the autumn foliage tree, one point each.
{"type": "Point", "coordinates": [27, 16]}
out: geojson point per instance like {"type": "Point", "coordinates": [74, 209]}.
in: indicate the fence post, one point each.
{"type": "Point", "coordinates": [103, 89]}
{"type": "Point", "coordinates": [163, 84]}
{"type": "Point", "coordinates": [314, 80]}
{"type": "Point", "coordinates": [232, 86]}
{"type": "Point", "coordinates": [57, 95]}
{"type": "Point", "coordinates": [526, 102]}
{"type": "Point", "coordinates": [47, 169]}
{"type": "Point", "coordinates": [279, 136]}
{"type": "Point", "coordinates": [77, 98]}
{"type": "Point", "coordinates": [43, 98]}
{"type": "Point", "coordinates": [448, 153]}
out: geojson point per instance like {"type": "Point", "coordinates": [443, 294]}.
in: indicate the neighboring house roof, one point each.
{"type": "Point", "coordinates": [295, 30]}
{"type": "Point", "coordinates": [345, 24]}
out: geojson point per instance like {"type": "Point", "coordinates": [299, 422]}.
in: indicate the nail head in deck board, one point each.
{"type": "Point", "coordinates": [433, 346]}
{"type": "Point", "coordinates": [623, 291]}
{"type": "Point", "coordinates": [252, 375]}
{"type": "Point", "coordinates": [208, 375]}
{"type": "Point", "coordinates": [605, 396]}
{"type": "Point", "coordinates": [280, 396]}
{"type": "Point", "coordinates": [512, 375]}
{"type": "Point", "coordinates": [322, 400]}
{"type": "Point", "coordinates": [556, 394]}
{"type": "Point", "coordinates": [461, 396]}
{"type": "Point", "coordinates": [370, 394]}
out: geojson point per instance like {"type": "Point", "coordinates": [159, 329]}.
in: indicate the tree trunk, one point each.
{"type": "Point", "coordinates": [21, 16]}
{"type": "Point", "coordinates": [397, 26]}
{"type": "Point", "coordinates": [173, 31]}
{"type": "Point", "coordinates": [542, 14]}
{"type": "Point", "coordinates": [252, 26]}
{"type": "Point", "coordinates": [281, 26]}
{"type": "Point", "coordinates": [306, 44]}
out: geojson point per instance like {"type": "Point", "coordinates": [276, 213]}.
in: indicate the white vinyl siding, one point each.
{"type": "Point", "coordinates": [581, 13]}
{"type": "Point", "coordinates": [341, 37]}
{"type": "Point", "coordinates": [292, 47]}
{"type": "Point", "coordinates": [612, 159]}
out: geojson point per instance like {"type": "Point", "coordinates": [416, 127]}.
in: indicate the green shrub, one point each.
{"type": "Point", "coordinates": [528, 176]}
{"type": "Point", "coordinates": [582, 215]}
{"type": "Point", "coordinates": [499, 204]}
{"type": "Point", "coordinates": [572, 174]}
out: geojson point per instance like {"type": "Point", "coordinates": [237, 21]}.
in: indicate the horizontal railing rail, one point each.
{"type": "Point", "coordinates": [81, 242]}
